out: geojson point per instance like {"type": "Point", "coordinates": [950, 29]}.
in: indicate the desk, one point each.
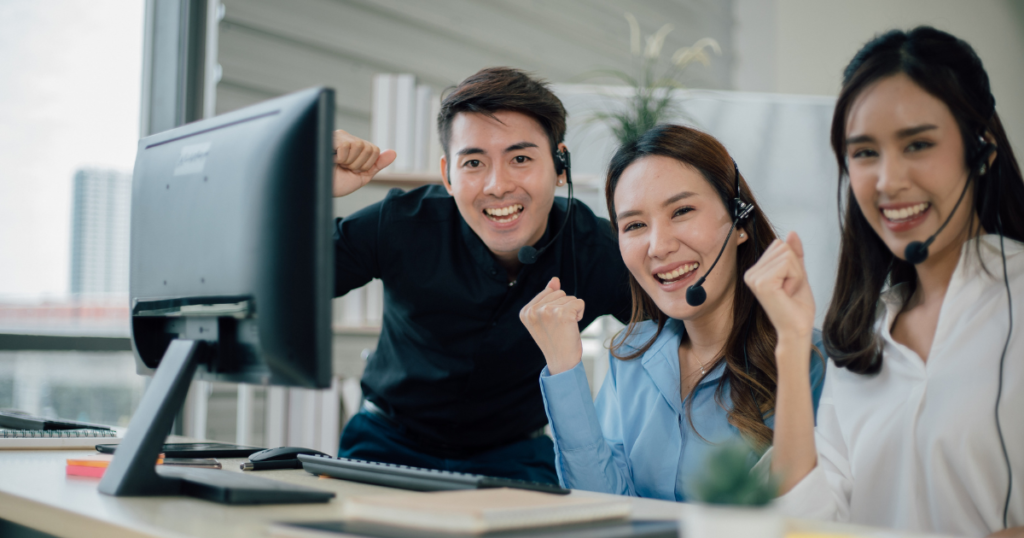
{"type": "Point", "coordinates": [36, 493]}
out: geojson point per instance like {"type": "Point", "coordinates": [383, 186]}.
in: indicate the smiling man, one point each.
{"type": "Point", "coordinates": [453, 383]}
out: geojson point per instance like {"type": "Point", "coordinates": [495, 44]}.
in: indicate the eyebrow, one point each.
{"type": "Point", "coordinates": [668, 202]}
{"type": "Point", "coordinates": [514, 147]}
{"type": "Point", "coordinates": [902, 133]}
{"type": "Point", "coordinates": [519, 146]}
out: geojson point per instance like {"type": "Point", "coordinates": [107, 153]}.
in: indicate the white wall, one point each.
{"type": "Point", "coordinates": [802, 46]}
{"type": "Point", "coordinates": [271, 47]}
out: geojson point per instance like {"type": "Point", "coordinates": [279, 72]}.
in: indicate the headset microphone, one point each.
{"type": "Point", "coordinates": [695, 294]}
{"type": "Point", "coordinates": [917, 252]}
{"type": "Point", "coordinates": [528, 255]}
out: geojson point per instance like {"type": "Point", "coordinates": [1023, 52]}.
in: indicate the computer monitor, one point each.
{"type": "Point", "coordinates": [231, 273]}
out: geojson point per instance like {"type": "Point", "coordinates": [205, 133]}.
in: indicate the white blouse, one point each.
{"type": "Point", "coordinates": [915, 447]}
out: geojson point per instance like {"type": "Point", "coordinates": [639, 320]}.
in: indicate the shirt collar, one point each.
{"type": "Point", "coordinates": [892, 300]}
{"type": "Point", "coordinates": [661, 350]}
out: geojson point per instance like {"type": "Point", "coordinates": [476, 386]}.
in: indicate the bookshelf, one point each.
{"type": "Point", "coordinates": [408, 180]}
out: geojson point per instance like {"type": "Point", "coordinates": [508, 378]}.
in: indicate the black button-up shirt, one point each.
{"type": "Point", "coordinates": [454, 363]}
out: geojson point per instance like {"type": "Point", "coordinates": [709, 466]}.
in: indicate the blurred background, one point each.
{"type": "Point", "coordinates": [84, 80]}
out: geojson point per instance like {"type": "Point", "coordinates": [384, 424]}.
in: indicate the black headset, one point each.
{"type": "Point", "coordinates": [528, 254]}
{"type": "Point", "coordinates": [977, 165]}
{"type": "Point", "coordinates": [917, 252]}
{"type": "Point", "coordinates": [739, 211]}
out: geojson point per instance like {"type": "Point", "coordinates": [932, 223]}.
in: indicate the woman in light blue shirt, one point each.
{"type": "Point", "coordinates": [695, 368]}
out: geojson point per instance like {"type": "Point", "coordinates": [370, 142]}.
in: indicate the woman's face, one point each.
{"type": "Point", "coordinates": [906, 162]}
{"type": "Point", "coordinates": [671, 224]}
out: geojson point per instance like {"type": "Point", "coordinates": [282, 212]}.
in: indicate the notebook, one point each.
{"type": "Point", "coordinates": [56, 439]}
{"type": "Point", "coordinates": [480, 511]}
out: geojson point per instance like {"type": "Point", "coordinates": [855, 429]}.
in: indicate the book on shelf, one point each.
{"type": "Point", "coordinates": [404, 118]}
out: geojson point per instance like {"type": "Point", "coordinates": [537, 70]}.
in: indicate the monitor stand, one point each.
{"type": "Point", "coordinates": [133, 471]}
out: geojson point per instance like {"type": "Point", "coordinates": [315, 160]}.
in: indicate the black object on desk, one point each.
{"type": "Point", "coordinates": [196, 450]}
{"type": "Point", "coordinates": [16, 420]}
{"type": "Point", "coordinates": [228, 213]}
{"type": "Point", "coordinates": [616, 529]}
{"type": "Point", "coordinates": [285, 457]}
{"type": "Point", "coordinates": [413, 478]}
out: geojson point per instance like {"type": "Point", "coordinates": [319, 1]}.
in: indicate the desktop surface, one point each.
{"type": "Point", "coordinates": [36, 493]}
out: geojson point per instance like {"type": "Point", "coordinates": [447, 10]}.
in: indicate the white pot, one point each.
{"type": "Point", "coordinates": [711, 521]}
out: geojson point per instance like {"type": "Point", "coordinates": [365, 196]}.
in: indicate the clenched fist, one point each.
{"type": "Point", "coordinates": [552, 318]}
{"type": "Point", "coordinates": [779, 281]}
{"type": "Point", "coordinates": [356, 161]}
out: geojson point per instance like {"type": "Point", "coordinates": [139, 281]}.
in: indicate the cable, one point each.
{"type": "Point", "coordinates": [1002, 361]}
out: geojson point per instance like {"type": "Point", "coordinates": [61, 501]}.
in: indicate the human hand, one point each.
{"type": "Point", "coordinates": [779, 281]}
{"type": "Point", "coordinates": [356, 161]}
{"type": "Point", "coordinates": [552, 318]}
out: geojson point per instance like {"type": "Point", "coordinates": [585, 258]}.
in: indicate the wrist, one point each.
{"type": "Point", "coordinates": [564, 363]}
{"type": "Point", "coordinates": [793, 351]}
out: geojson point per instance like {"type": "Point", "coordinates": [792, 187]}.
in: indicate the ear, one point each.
{"type": "Point", "coordinates": [991, 140]}
{"type": "Point", "coordinates": [444, 175]}
{"type": "Point", "coordinates": [743, 236]}
{"type": "Point", "coordinates": [561, 177]}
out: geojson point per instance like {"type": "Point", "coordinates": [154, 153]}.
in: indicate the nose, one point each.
{"type": "Point", "coordinates": [662, 242]}
{"type": "Point", "coordinates": [499, 182]}
{"type": "Point", "coordinates": [892, 175]}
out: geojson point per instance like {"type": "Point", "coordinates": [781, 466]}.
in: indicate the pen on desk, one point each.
{"type": "Point", "coordinates": [273, 464]}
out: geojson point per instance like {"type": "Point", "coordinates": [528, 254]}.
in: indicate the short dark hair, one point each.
{"type": "Point", "coordinates": [503, 89]}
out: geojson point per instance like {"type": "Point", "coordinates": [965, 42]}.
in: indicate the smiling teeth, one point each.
{"type": "Point", "coordinates": [680, 271]}
{"type": "Point", "coordinates": [904, 213]}
{"type": "Point", "coordinates": [504, 211]}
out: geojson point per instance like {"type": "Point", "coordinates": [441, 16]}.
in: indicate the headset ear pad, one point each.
{"type": "Point", "coordinates": [559, 158]}
{"type": "Point", "coordinates": [980, 161]}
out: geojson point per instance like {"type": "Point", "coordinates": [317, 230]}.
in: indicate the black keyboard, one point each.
{"type": "Point", "coordinates": [414, 478]}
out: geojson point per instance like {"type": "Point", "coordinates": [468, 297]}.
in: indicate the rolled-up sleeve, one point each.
{"type": "Point", "coordinates": [585, 458]}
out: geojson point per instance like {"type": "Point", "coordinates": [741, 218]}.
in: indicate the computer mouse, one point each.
{"type": "Point", "coordinates": [283, 453]}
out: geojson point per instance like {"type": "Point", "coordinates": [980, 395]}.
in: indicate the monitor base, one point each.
{"type": "Point", "coordinates": [133, 471]}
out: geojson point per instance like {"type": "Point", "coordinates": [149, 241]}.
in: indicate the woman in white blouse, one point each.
{"type": "Point", "coordinates": [920, 427]}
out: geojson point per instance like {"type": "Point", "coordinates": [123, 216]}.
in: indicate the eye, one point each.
{"type": "Point", "coordinates": [632, 226]}
{"type": "Point", "coordinates": [919, 145]}
{"type": "Point", "coordinates": [863, 153]}
{"type": "Point", "coordinates": [520, 159]}
{"type": "Point", "coordinates": [472, 163]}
{"type": "Point", "coordinates": [681, 211]}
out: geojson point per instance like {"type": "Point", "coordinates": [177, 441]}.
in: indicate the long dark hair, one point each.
{"type": "Point", "coordinates": [752, 333]}
{"type": "Point", "coordinates": [949, 69]}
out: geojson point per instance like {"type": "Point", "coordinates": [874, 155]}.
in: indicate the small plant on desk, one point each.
{"type": "Point", "coordinates": [734, 500]}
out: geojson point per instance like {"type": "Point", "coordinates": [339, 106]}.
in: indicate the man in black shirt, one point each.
{"type": "Point", "coordinates": [453, 383]}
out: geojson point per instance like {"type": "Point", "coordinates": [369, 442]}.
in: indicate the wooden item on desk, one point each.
{"type": "Point", "coordinates": [358, 529]}
{"type": "Point", "coordinates": [479, 511]}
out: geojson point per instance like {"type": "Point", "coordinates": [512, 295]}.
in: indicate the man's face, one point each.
{"type": "Point", "coordinates": [502, 177]}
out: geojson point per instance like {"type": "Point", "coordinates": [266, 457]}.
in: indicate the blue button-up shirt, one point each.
{"type": "Point", "coordinates": [635, 439]}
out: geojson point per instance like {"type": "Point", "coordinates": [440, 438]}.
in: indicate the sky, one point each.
{"type": "Point", "coordinates": [69, 98]}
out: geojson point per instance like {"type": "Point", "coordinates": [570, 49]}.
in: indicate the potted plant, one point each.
{"type": "Point", "coordinates": [651, 100]}
{"type": "Point", "coordinates": [732, 501]}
